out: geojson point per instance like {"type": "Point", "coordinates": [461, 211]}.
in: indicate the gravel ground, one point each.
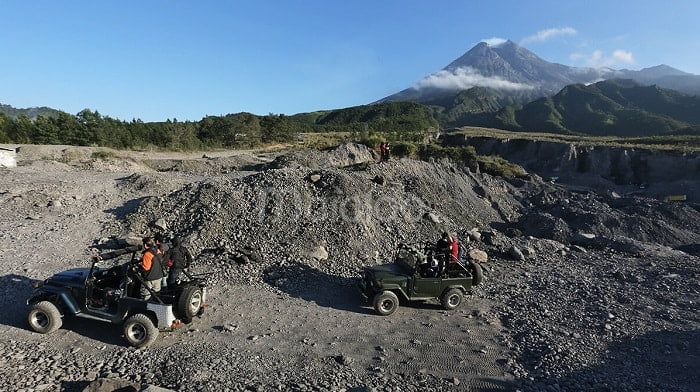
{"type": "Point", "coordinates": [582, 291]}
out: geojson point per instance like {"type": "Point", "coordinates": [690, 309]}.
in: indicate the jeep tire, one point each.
{"type": "Point", "coordinates": [189, 303]}
{"type": "Point", "coordinates": [451, 299]}
{"type": "Point", "coordinates": [477, 273]}
{"type": "Point", "coordinates": [44, 317]}
{"type": "Point", "coordinates": [139, 330]}
{"type": "Point", "coordinates": [386, 303]}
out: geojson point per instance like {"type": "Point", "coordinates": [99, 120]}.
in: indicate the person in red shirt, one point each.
{"type": "Point", "coordinates": [454, 248]}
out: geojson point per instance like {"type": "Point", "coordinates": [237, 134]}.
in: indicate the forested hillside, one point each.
{"type": "Point", "coordinates": [608, 108]}
{"type": "Point", "coordinates": [399, 120]}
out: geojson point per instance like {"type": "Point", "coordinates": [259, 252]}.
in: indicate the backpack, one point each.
{"type": "Point", "coordinates": [180, 257]}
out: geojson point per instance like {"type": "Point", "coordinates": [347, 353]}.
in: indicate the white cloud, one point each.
{"type": "Point", "coordinates": [622, 56]}
{"type": "Point", "coordinates": [464, 78]}
{"type": "Point", "coordinates": [494, 41]}
{"type": "Point", "coordinates": [598, 59]}
{"type": "Point", "coordinates": [545, 35]}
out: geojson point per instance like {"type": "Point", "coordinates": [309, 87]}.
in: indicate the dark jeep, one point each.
{"type": "Point", "coordinates": [418, 275]}
{"type": "Point", "coordinates": [109, 291]}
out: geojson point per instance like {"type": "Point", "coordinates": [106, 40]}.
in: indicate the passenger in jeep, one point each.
{"type": "Point", "coordinates": [151, 268]}
{"type": "Point", "coordinates": [181, 259]}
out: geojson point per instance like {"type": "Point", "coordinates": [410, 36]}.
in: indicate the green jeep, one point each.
{"type": "Point", "coordinates": [418, 276]}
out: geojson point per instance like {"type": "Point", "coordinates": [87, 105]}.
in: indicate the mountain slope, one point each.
{"type": "Point", "coordinates": [615, 107]}
{"type": "Point", "coordinates": [32, 113]}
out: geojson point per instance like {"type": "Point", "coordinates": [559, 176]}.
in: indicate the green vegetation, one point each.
{"type": "Point", "coordinates": [103, 155]}
{"type": "Point", "coordinates": [399, 121]}
{"type": "Point", "coordinates": [613, 107]}
{"type": "Point", "coordinates": [493, 165]}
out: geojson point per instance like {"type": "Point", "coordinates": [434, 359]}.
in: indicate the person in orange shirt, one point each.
{"type": "Point", "coordinates": [151, 268]}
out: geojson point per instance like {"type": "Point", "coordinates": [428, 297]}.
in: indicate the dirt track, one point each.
{"type": "Point", "coordinates": [551, 320]}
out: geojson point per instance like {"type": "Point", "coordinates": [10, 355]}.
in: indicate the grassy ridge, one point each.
{"type": "Point", "coordinates": [670, 142]}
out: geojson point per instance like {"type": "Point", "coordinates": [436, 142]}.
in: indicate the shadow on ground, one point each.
{"type": "Point", "coordinates": [125, 209]}
{"type": "Point", "coordinates": [656, 361]}
{"type": "Point", "coordinates": [316, 286]}
{"type": "Point", "coordinates": [74, 386]}
{"type": "Point", "coordinates": [14, 292]}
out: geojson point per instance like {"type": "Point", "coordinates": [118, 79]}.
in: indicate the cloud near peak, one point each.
{"type": "Point", "coordinates": [464, 78]}
{"type": "Point", "coordinates": [598, 59]}
{"type": "Point", "coordinates": [494, 41]}
{"type": "Point", "coordinates": [545, 35]}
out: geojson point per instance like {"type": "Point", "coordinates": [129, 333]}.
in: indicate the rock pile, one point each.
{"type": "Point", "coordinates": [335, 219]}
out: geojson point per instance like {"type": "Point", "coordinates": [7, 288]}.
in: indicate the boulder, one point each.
{"type": "Point", "coordinates": [474, 235]}
{"type": "Point", "coordinates": [516, 253]}
{"type": "Point", "coordinates": [134, 239]}
{"type": "Point", "coordinates": [112, 384]}
{"type": "Point", "coordinates": [432, 217]}
{"type": "Point", "coordinates": [320, 253]}
{"type": "Point", "coordinates": [478, 255]}
{"type": "Point", "coordinates": [528, 252]}
{"type": "Point", "coordinates": [160, 224]}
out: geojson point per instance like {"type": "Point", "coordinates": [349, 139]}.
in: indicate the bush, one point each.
{"type": "Point", "coordinates": [371, 140]}
{"type": "Point", "coordinates": [102, 155]}
{"type": "Point", "coordinates": [497, 166]}
{"type": "Point", "coordinates": [404, 149]}
{"type": "Point", "coordinates": [458, 154]}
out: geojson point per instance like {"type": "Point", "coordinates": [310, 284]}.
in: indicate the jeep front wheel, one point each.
{"type": "Point", "coordinates": [44, 317]}
{"type": "Point", "coordinates": [452, 299]}
{"type": "Point", "coordinates": [139, 330]}
{"type": "Point", "coordinates": [386, 303]}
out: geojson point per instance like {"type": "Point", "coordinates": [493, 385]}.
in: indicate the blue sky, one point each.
{"type": "Point", "coordinates": [156, 59]}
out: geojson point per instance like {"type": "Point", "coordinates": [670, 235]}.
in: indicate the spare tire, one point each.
{"type": "Point", "coordinates": [477, 273]}
{"type": "Point", "coordinates": [189, 303]}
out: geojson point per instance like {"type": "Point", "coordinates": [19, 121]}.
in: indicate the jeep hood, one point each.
{"type": "Point", "coordinates": [72, 276]}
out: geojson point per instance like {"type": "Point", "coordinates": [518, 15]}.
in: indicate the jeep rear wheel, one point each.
{"type": "Point", "coordinates": [139, 330]}
{"type": "Point", "coordinates": [477, 273]}
{"type": "Point", "coordinates": [452, 299]}
{"type": "Point", "coordinates": [386, 303]}
{"type": "Point", "coordinates": [189, 303]}
{"type": "Point", "coordinates": [44, 317]}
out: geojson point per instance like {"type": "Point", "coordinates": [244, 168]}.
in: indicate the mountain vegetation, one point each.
{"type": "Point", "coordinates": [608, 108]}
{"type": "Point", "coordinates": [31, 113]}
{"type": "Point", "coordinates": [474, 106]}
